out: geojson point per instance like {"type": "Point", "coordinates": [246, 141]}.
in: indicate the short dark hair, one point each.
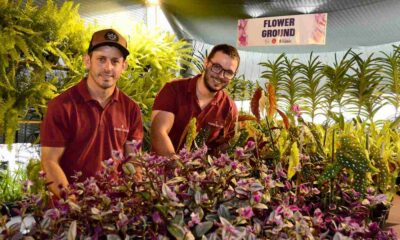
{"type": "Point", "coordinates": [91, 54]}
{"type": "Point", "coordinates": [227, 49]}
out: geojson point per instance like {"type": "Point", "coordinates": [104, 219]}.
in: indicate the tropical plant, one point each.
{"type": "Point", "coordinates": [274, 74]}
{"type": "Point", "coordinates": [313, 93]}
{"type": "Point", "coordinates": [292, 87]}
{"type": "Point", "coordinates": [198, 62]}
{"type": "Point", "coordinates": [337, 82]}
{"type": "Point", "coordinates": [35, 41]}
{"type": "Point", "coordinates": [240, 89]}
{"type": "Point", "coordinates": [11, 185]}
{"type": "Point", "coordinates": [199, 196]}
{"type": "Point", "coordinates": [383, 147]}
{"type": "Point", "coordinates": [155, 58]}
{"type": "Point", "coordinates": [390, 64]}
{"type": "Point", "coordinates": [365, 88]}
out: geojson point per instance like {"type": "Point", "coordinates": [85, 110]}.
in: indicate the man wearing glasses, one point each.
{"type": "Point", "coordinates": [200, 97]}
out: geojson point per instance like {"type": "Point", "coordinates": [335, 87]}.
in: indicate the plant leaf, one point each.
{"type": "Point", "coordinates": [202, 228]}
{"type": "Point", "coordinates": [255, 103]}
{"type": "Point", "coordinates": [72, 231]}
{"type": "Point", "coordinates": [294, 160]}
{"type": "Point", "coordinates": [284, 118]}
{"type": "Point", "coordinates": [224, 212]}
{"type": "Point", "coordinates": [197, 197]}
{"type": "Point", "coordinates": [128, 169]}
{"type": "Point", "coordinates": [245, 117]}
{"type": "Point", "coordinates": [177, 231]}
{"type": "Point", "coordinates": [271, 101]}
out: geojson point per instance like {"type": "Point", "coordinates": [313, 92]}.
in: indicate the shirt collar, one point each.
{"type": "Point", "coordinates": [84, 91]}
{"type": "Point", "coordinates": [193, 83]}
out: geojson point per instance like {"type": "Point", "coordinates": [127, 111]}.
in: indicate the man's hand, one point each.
{"type": "Point", "coordinates": [50, 162]}
{"type": "Point", "coordinates": [161, 124]}
{"type": "Point", "coordinates": [138, 174]}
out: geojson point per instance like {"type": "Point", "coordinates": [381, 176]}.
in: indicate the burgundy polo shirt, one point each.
{"type": "Point", "coordinates": [179, 97]}
{"type": "Point", "coordinates": [88, 132]}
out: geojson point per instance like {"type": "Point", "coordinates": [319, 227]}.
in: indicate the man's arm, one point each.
{"type": "Point", "coordinates": [50, 161]}
{"type": "Point", "coordinates": [161, 124]}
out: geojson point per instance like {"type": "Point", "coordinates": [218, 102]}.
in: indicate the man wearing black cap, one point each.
{"type": "Point", "coordinates": [92, 120]}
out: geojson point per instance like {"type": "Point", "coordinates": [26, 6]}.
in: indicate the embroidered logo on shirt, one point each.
{"type": "Point", "coordinates": [121, 129]}
{"type": "Point", "coordinates": [215, 124]}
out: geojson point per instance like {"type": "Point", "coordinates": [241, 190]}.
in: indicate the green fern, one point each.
{"type": "Point", "coordinates": [155, 58]}
{"type": "Point", "coordinates": [34, 40]}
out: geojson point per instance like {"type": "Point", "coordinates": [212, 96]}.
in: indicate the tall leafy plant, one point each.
{"type": "Point", "coordinates": [390, 64]}
{"type": "Point", "coordinates": [34, 40]}
{"type": "Point", "coordinates": [155, 58]}
{"type": "Point", "coordinates": [274, 74]}
{"type": "Point", "coordinates": [313, 92]}
{"type": "Point", "coordinates": [364, 88]}
{"type": "Point", "coordinates": [240, 88]}
{"type": "Point", "coordinates": [337, 82]}
{"type": "Point", "coordinates": [292, 86]}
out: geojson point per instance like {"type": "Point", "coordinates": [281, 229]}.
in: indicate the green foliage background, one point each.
{"type": "Point", "coordinates": [41, 56]}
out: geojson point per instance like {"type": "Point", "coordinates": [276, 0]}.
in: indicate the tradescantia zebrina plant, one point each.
{"type": "Point", "coordinates": [196, 196]}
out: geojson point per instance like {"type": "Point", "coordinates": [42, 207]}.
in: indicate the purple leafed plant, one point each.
{"type": "Point", "coordinates": [218, 197]}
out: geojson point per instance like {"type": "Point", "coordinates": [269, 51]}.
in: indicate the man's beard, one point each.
{"type": "Point", "coordinates": [207, 80]}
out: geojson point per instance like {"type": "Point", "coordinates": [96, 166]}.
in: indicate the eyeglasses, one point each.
{"type": "Point", "coordinates": [217, 68]}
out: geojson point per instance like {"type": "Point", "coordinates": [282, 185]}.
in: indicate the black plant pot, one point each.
{"type": "Point", "coordinates": [398, 184]}
{"type": "Point", "coordinates": [380, 214]}
{"type": "Point", "coordinates": [3, 165]}
{"type": "Point", "coordinates": [8, 209]}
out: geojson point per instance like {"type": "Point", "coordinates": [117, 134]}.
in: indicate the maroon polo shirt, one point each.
{"type": "Point", "coordinates": [88, 132]}
{"type": "Point", "coordinates": [179, 97]}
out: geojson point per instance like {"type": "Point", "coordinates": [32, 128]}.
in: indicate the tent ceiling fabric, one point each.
{"type": "Point", "coordinates": [351, 23]}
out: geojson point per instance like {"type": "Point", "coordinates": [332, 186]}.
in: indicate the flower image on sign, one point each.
{"type": "Point", "coordinates": [284, 30]}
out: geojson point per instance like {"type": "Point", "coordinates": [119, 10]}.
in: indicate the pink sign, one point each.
{"type": "Point", "coordinates": [284, 30]}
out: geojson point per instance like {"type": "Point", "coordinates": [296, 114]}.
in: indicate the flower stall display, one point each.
{"type": "Point", "coordinates": [245, 194]}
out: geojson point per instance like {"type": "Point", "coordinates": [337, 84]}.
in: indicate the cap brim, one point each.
{"type": "Point", "coordinates": [123, 50]}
